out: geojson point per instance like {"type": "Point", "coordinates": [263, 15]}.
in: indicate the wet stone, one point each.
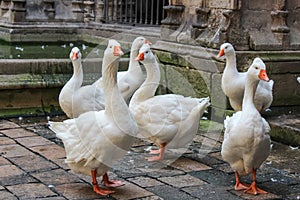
{"type": "Point", "coordinates": [166, 171]}
{"type": "Point", "coordinates": [30, 190]}
{"type": "Point", "coordinates": [9, 170]}
{"type": "Point", "coordinates": [4, 124]}
{"type": "Point", "coordinates": [268, 196]}
{"type": "Point", "coordinates": [17, 133]}
{"type": "Point", "coordinates": [123, 193]}
{"type": "Point", "coordinates": [17, 179]}
{"type": "Point", "coordinates": [4, 161]}
{"type": "Point", "coordinates": [209, 191]}
{"type": "Point", "coordinates": [168, 192]}
{"type": "Point", "coordinates": [51, 151]}
{"type": "Point", "coordinates": [189, 165]}
{"type": "Point", "coordinates": [78, 191]}
{"type": "Point", "coordinates": [182, 181]}
{"type": "Point", "coordinates": [14, 150]}
{"type": "Point", "coordinates": [6, 140]}
{"type": "Point", "coordinates": [33, 163]}
{"type": "Point", "coordinates": [33, 141]}
{"type": "Point", "coordinates": [145, 181]}
{"type": "Point", "coordinates": [7, 195]}
{"type": "Point", "coordinates": [56, 177]}
{"type": "Point", "coordinates": [215, 177]}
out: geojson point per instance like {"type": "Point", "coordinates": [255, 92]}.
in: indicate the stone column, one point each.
{"type": "Point", "coordinates": [5, 16]}
{"type": "Point", "coordinates": [49, 9]}
{"type": "Point", "coordinates": [279, 27]}
{"type": "Point", "coordinates": [35, 10]}
{"type": "Point", "coordinates": [172, 22]}
{"type": "Point", "coordinates": [18, 11]}
{"type": "Point", "coordinates": [99, 11]}
{"type": "Point", "coordinates": [63, 10]}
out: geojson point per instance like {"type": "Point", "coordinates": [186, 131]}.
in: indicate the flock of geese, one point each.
{"type": "Point", "coordinates": [107, 116]}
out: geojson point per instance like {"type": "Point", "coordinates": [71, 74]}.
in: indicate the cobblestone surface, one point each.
{"type": "Point", "coordinates": [32, 167]}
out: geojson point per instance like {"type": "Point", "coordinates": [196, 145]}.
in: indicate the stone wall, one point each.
{"type": "Point", "coordinates": [268, 29]}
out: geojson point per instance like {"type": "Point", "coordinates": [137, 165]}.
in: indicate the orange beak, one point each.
{"type": "Point", "coordinates": [140, 57]}
{"type": "Point", "coordinates": [148, 42]}
{"type": "Point", "coordinates": [74, 55]}
{"type": "Point", "coordinates": [221, 53]}
{"type": "Point", "coordinates": [263, 75]}
{"type": "Point", "coordinates": [118, 51]}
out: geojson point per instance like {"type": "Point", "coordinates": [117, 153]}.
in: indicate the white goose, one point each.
{"type": "Point", "coordinates": [168, 120]}
{"type": "Point", "coordinates": [246, 142]}
{"type": "Point", "coordinates": [96, 139]}
{"type": "Point", "coordinates": [91, 97]}
{"type": "Point", "coordinates": [65, 96]}
{"type": "Point", "coordinates": [129, 81]}
{"type": "Point", "coordinates": [233, 83]}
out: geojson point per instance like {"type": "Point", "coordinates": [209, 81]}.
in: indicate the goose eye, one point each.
{"type": "Point", "coordinates": [146, 51]}
{"type": "Point", "coordinates": [256, 68]}
{"type": "Point", "coordinates": [110, 46]}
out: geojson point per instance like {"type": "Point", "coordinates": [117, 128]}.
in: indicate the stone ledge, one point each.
{"type": "Point", "coordinates": [285, 129]}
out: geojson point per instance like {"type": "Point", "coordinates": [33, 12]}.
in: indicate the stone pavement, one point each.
{"type": "Point", "coordinates": [32, 167]}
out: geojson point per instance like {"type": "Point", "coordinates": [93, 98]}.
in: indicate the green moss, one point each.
{"type": "Point", "coordinates": [285, 135]}
{"type": "Point", "coordinates": [210, 126]}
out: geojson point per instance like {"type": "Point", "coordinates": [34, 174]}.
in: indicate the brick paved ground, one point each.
{"type": "Point", "coordinates": [32, 167]}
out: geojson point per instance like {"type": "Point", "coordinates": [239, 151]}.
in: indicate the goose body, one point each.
{"type": "Point", "coordinates": [233, 83]}
{"type": "Point", "coordinates": [168, 120]}
{"type": "Point", "coordinates": [246, 142]}
{"type": "Point", "coordinates": [96, 139]}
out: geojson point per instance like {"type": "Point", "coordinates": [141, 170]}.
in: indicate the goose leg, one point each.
{"type": "Point", "coordinates": [253, 189]}
{"type": "Point", "coordinates": [238, 184]}
{"type": "Point", "coordinates": [96, 187]}
{"type": "Point", "coordinates": [111, 183]}
{"type": "Point", "coordinates": [161, 152]}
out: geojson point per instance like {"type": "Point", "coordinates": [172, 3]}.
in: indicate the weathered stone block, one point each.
{"type": "Point", "coordinates": [230, 4]}
{"type": "Point", "coordinates": [286, 90]}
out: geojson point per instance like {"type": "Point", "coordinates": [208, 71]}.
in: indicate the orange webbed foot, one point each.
{"type": "Point", "coordinates": [101, 191]}
{"type": "Point", "coordinates": [156, 151]}
{"type": "Point", "coordinates": [113, 183]}
{"type": "Point", "coordinates": [155, 158]}
{"type": "Point", "coordinates": [241, 186]}
{"type": "Point", "coordinates": [253, 189]}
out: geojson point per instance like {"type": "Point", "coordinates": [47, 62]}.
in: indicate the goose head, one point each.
{"type": "Point", "coordinates": [145, 55]}
{"type": "Point", "coordinates": [75, 54]}
{"type": "Point", "coordinates": [138, 42]}
{"type": "Point", "coordinates": [113, 50]}
{"type": "Point", "coordinates": [226, 49]}
{"type": "Point", "coordinates": [257, 70]}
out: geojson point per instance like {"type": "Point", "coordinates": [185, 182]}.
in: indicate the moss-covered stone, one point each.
{"type": "Point", "coordinates": [187, 82]}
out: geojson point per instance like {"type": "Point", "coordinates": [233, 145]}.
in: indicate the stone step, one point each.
{"type": "Point", "coordinates": [285, 129]}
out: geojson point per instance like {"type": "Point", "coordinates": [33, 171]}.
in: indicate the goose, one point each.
{"type": "Point", "coordinates": [75, 82]}
{"type": "Point", "coordinates": [96, 139]}
{"type": "Point", "coordinates": [168, 120]}
{"type": "Point", "coordinates": [233, 83]}
{"type": "Point", "coordinates": [246, 142]}
{"type": "Point", "coordinates": [91, 97]}
{"type": "Point", "coordinates": [129, 81]}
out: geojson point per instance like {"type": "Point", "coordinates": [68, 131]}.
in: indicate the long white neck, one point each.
{"type": "Point", "coordinates": [77, 76]}
{"type": "Point", "coordinates": [134, 65]}
{"type": "Point", "coordinates": [114, 102]}
{"type": "Point", "coordinates": [230, 67]}
{"type": "Point", "coordinates": [149, 87]}
{"type": "Point", "coordinates": [248, 100]}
